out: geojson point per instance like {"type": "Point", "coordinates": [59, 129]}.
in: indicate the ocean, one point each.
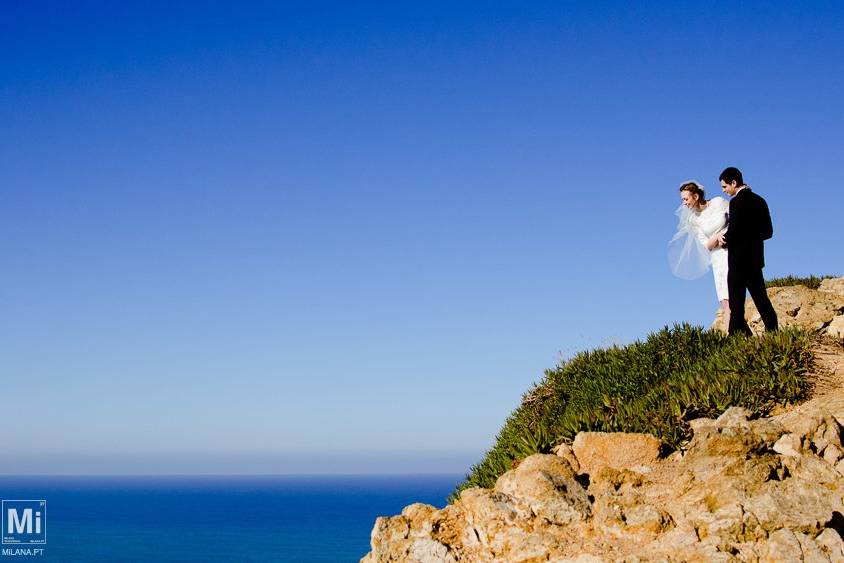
{"type": "Point", "coordinates": [209, 518]}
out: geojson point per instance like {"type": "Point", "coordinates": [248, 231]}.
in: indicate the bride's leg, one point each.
{"type": "Point", "coordinates": [725, 306]}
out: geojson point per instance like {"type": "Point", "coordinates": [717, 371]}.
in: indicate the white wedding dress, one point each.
{"type": "Point", "coordinates": [687, 251]}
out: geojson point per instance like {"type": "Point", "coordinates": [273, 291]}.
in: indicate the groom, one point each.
{"type": "Point", "coordinates": [749, 225]}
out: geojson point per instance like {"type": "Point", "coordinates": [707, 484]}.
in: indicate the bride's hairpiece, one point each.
{"type": "Point", "coordinates": [695, 182]}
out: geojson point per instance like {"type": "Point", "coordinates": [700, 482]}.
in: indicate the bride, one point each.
{"type": "Point", "coordinates": [695, 246]}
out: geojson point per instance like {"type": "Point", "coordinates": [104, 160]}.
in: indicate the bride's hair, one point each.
{"type": "Point", "coordinates": [695, 188]}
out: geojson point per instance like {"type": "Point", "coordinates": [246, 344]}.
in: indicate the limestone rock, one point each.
{"type": "Point", "coordinates": [789, 445]}
{"type": "Point", "coordinates": [785, 545]}
{"type": "Point", "coordinates": [831, 544]}
{"type": "Point", "coordinates": [546, 483]}
{"type": "Point", "coordinates": [618, 450]}
{"type": "Point", "coordinates": [836, 328]}
{"type": "Point", "coordinates": [567, 453]}
{"type": "Point", "coordinates": [833, 285]}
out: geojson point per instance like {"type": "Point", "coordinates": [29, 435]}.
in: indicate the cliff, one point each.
{"type": "Point", "coordinates": [743, 489]}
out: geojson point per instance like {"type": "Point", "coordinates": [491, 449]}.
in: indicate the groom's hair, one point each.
{"type": "Point", "coordinates": [730, 175]}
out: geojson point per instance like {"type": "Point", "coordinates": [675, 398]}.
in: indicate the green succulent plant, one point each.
{"type": "Point", "coordinates": [652, 386]}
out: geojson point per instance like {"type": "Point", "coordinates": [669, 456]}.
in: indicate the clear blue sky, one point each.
{"type": "Point", "coordinates": [263, 237]}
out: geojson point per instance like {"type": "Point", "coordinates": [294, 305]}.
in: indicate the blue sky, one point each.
{"type": "Point", "coordinates": [270, 238]}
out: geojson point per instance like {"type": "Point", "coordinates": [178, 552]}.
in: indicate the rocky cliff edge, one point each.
{"type": "Point", "coordinates": [769, 489]}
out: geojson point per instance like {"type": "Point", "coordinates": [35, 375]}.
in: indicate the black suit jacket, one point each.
{"type": "Point", "coordinates": [749, 225]}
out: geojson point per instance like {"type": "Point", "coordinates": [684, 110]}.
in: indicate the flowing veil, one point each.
{"type": "Point", "coordinates": [687, 256]}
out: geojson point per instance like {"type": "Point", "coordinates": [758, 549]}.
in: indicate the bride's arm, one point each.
{"type": "Point", "coordinates": [715, 241]}
{"type": "Point", "coordinates": [722, 232]}
{"type": "Point", "coordinates": [719, 234]}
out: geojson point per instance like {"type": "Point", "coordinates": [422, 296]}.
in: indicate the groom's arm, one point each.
{"type": "Point", "coordinates": [766, 228]}
{"type": "Point", "coordinates": [734, 224]}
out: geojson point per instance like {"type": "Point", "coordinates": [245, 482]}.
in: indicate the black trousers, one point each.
{"type": "Point", "coordinates": [751, 279]}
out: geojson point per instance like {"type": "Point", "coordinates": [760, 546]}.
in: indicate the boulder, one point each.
{"type": "Point", "coordinates": [546, 483]}
{"type": "Point", "coordinates": [833, 285]}
{"type": "Point", "coordinates": [836, 328]}
{"type": "Point", "coordinates": [618, 450]}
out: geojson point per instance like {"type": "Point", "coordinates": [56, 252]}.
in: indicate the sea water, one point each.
{"type": "Point", "coordinates": [212, 518]}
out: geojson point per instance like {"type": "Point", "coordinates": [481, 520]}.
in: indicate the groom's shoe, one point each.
{"type": "Point", "coordinates": [739, 328]}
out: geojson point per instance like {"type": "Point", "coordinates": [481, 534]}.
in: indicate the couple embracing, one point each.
{"type": "Point", "coordinates": [730, 237]}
